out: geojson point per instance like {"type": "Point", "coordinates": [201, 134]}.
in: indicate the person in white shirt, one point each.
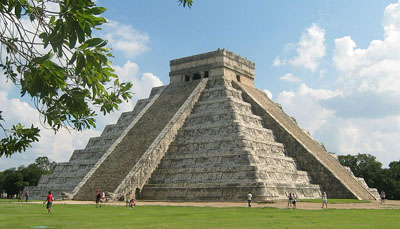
{"type": "Point", "coordinates": [324, 200]}
{"type": "Point", "coordinates": [249, 196]}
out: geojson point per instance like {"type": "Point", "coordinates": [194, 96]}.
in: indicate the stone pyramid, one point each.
{"type": "Point", "coordinates": [209, 135]}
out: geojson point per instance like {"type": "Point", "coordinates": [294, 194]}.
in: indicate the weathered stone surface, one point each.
{"type": "Point", "coordinates": [116, 166]}
{"type": "Point", "coordinates": [309, 154]}
{"type": "Point", "coordinates": [222, 152]}
{"type": "Point", "coordinates": [67, 175]}
{"type": "Point", "coordinates": [208, 136]}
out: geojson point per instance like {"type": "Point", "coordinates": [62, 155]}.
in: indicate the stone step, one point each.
{"type": "Point", "coordinates": [112, 170]}
{"type": "Point", "coordinates": [223, 142]}
{"type": "Point", "coordinates": [226, 142]}
{"type": "Point", "coordinates": [223, 192]}
{"type": "Point", "coordinates": [346, 185]}
{"type": "Point", "coordinates": [220, 92]}
{"type": "Point", "coordinates": [83, 160]}
{"type": "Point", "coordinates": [216, 154]}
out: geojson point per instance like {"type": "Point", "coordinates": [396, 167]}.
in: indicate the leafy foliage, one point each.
{"type": "Point", "coordinates": [51, 56]}
{"type": "Point", "coordinates": [367, 167]}
{"type": "Point", "coordinates": [44, 164]}
{"type": "Point", "coordinates": [19, 140]}
{"type": "Point", "coordinates": [185, 3]}
{"type": "Point", "coordinates": [13, 180]}
{"type": "Point", "coordinates": [47, 50]}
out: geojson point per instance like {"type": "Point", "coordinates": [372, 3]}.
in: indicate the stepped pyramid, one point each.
{"type": "Point", "coordinates": [209, 135]}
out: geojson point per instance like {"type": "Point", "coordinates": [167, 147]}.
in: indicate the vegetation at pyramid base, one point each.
{"type": "Point", "coordinates": [14, 180]}
{"type": "Point", "coordinates": [48, 51]}
{"type": "Point", "coordinates": [367, 167]}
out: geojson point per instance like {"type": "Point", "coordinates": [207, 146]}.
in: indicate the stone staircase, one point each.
{"type": "Point", "coordinates": [310, 155]}
{"type": "Point", "coordinates": [111, 171]}
{"type": "Point", "coordinates": [67, 175]}
{"type": "Point", "coordinates": [222, 152]}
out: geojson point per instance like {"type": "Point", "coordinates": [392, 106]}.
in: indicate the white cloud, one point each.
{"type": "Point", "coordinates": [289, 77]}
{"type": "Point", "coordinates": [310, 49]}
{"type": "Point", "coordinates": [303, 105]}
{"type": "Point", "coordinates": [268, 93]}
{"type": "Point", "coordinates": [129, 72]}
{"type": "Point", "coordinates": [57, 147]}
{"type": "Point", "coordinates": [5, 85]}
{"type": "Point", "coordinates": [60, 146]}
{"type": "Point", "coordinates": [142, 86]}
{"type": "Point", "coordinates": [125, 39]}
{"type": "Point", "coordinates": [377, 67]}
{"type": "Point", "coordinates": [349, 134]}
{"type": "Point", "coordinates": [277, 62]}
{"type": "Point", "coordinates": [362, 115]}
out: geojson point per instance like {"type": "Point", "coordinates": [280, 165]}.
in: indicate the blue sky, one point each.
{"type": "Point", "coordinates": [333, 65]}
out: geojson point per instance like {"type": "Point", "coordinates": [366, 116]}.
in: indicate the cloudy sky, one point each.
{"type": "Point", "coordinates": [333, 65]}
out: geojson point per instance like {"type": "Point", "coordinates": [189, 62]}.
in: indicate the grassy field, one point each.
{"type": "Point", "coordinates": [17, 215]}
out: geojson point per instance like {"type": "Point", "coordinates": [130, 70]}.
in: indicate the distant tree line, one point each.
{"type": "Point", "coordinates": [14, 180]}
{"type": "Point", "coordinates": [367, 167]}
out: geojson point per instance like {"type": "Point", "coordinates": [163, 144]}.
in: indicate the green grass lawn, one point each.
{"type": "Point", "coordinates": [17, 215]}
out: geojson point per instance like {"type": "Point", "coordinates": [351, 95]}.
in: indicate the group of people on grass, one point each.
{"type": "Point", "coordinates": [292, 199]}
{"type": "Point", "coordinates": [22, 196]}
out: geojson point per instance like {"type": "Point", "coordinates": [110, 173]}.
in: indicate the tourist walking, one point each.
{"type": "Point", "coordinates": [324, 200]}
{"type": "Point", "coordinates": [249, 196]}
{"type": "Point", "coordinates": [294, 197]}
{"type": "Point", "coordinates": [289, 196]}
{"type": "Point", "coordinates": [98, 198]}
{"type": "Point", "coordinates": [127, 200]}
{"type": "Point", "coordinates": [383, 196]}
{"type": "Point", "coordinates": [49, 201]}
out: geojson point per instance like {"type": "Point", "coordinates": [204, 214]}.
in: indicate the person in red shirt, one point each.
{"type": "Point", "coordinates": [132, 203]}
{"type": "Point", "coordinates": [49, 201]}
{"type": "Point", "coordinates": [98, 198]}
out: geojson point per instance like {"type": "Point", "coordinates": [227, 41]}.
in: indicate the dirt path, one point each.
{"type": "Point", "coordinates": [390, 204]}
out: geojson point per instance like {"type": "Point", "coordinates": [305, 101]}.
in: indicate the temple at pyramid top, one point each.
{"type": "Point", "coordinates": [213, 65]}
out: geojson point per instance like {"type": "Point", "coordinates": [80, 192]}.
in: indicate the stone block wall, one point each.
{"type": "Point", "coordinates": [310, 156]}
{"type": "Point", "coordinates": [109, 174]}
{"type": "Point", "coordinates": [222, 152]}
{"type": "Point", "coordinates": [67, 175]}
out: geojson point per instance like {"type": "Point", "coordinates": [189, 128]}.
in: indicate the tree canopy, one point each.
{"type": "Point", "coordinates": [13, 180]}
{"type": "Point", "coordinates": [47, 49]}
{"type": "Point", "coordinates": [367, 167]}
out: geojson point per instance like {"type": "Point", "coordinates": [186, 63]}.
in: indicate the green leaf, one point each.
{"type": "Point", "coordinates": [96, 10]}
{"type": "Point", "coordinates": [80, 63]}
{"type": "Point", "coordinates": [18, 10]}
{"type": "Point", "coordinates": [52, 19]}
{"type": "Point", "coordinates": [93, 42]}
{"type": "Point", "coordinates": [72, 40]}
{"type": "Point", "coordinates": [73, 58]}
{"type": "Point", "coordinates": [79, 32]}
